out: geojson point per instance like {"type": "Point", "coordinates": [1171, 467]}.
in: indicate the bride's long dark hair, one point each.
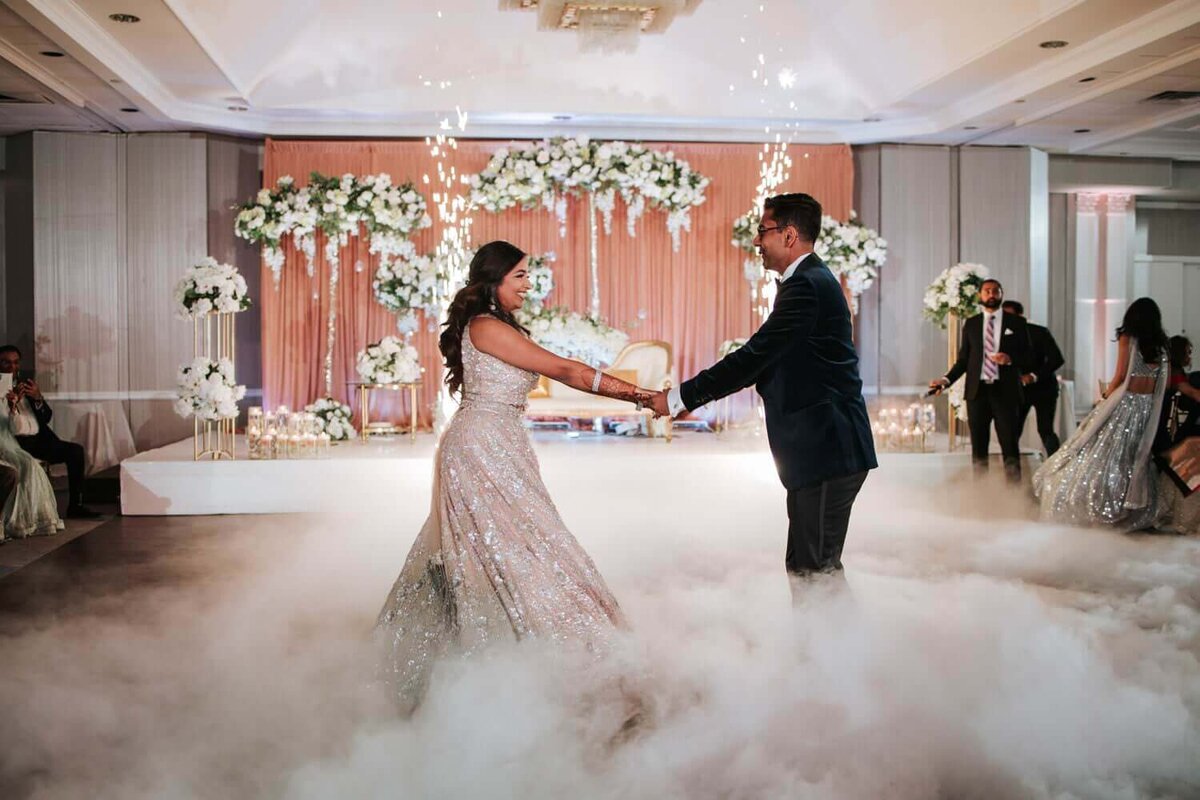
{"type": "Point", "coordinates": [489, 266]}
{"type": "Point", "coordinates": [1143, 321]}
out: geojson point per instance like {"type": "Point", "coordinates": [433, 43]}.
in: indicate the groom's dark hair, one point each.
{"type": "Point", "coordinates": [800, 211]}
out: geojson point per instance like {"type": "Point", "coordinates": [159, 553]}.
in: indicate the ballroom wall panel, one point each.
{"type": "Point", "coordinates": [1004, 223]}
{"type": "Point", "coordinates": [234, 174]}
{"type": "Point", "coordinates": [167, 230]}
{"type": "Point", "coordinates": [80, 288]}
{"type": "Point", "coordinates": [867, 183]}
{"type": "Point", "coordinates": [1060, 316]}
{"type": "Point", "coordinates": [18, 241]}
{"type": "Point", "coordinates": [1168, 229]}
{"type": "Point", "coordinates": [917, 201]}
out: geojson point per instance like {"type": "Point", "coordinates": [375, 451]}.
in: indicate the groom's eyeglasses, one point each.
{"type": "Point", "coordinates": [762, 230]}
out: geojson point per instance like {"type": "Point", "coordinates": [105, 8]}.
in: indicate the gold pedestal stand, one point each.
{"type": "Point", "coordinates": [213, 338]}
{"type": "Point", "coordinates": [952, 329]}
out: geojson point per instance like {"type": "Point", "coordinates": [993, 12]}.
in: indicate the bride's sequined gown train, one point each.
{"type": "Point", "coordinates": [494, 561]}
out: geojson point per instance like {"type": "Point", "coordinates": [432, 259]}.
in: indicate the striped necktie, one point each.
{"type": "Point", "coordinates": [990, 370]}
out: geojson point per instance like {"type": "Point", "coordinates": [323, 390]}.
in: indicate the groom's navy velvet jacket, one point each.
{"type": "Point", "coordinates": [804, 364]}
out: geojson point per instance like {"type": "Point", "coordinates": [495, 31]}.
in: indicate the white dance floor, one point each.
{"type": "Point", "coordinates": [395, 475]}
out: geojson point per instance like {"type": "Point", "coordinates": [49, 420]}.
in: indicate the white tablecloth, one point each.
{"type": "Point", "coordinates": [101, 426]}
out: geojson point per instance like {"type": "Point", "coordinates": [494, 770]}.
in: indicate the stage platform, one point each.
{"type": "Point", "coordinates": [389, 475]}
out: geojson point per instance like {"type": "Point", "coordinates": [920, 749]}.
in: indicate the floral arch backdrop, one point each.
{"type": "Point", "coordinates": [695, 298]}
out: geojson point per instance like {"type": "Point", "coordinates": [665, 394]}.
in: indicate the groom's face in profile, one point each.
{"type": "Point", "coordinates": [772, 243]}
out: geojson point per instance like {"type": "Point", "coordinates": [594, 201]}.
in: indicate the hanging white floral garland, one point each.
{"type": "Point", "coordinates": [546, 173]}
{"type": "Point", "coordinates": [339, 207]}
{"type": "Point", "coordinates": [850, 250]}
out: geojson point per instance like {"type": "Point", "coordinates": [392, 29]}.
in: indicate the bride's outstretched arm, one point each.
{"type": "Point", "coordinates": [495, 338]}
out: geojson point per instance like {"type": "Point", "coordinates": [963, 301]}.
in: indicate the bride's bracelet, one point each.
{"type": "Point", "coordinates": [596, 382]}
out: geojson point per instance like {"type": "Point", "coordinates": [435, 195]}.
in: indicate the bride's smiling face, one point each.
{"type": "Point", "coordinates": [511, 291]}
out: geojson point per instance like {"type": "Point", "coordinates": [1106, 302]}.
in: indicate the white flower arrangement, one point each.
{"type": "Point", "coordinates": [955, 395]}
{"type": "Point", "coordinates": [334, 417]}
{"type": "Point", "coordinates": [541, 278]}
{"type": "Point", "coordinates": [207, 389]}
{"type": "Point", "coordinates": [546, 173]}
{"type": "Point", "coordinates": [573, 335]}
{"type": "Point", "coordinates": [210, 287]}
{"type": "Point", "coordinates": [729, 345]}
{"type": "Point", "coordinates": [850, 250]}
{"type": "Point", "coordinates": [390, 360]}
{"type": "Point", "coordinates": [955, 291]}
{"type": "Point", "coordinates": [339, 207]}
{"type": "Point", "coordinates": [408, 283]}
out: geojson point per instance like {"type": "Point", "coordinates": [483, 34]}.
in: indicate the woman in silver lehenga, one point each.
{"type": "Point", "coordinates": [494, 561]}
{"type": "Point", "coordinates": [1103, 474]}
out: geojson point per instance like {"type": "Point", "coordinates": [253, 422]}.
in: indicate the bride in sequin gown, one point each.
{"type": "Point", "coordinates": [1103, 474]}
{"type": "Point", "coordinates": [494, 561]}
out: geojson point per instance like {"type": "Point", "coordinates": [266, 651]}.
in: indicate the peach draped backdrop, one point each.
{"type": "Point", "coordinates": [695, 298]}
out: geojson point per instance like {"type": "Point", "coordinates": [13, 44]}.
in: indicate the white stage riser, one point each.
{"type": "Point", "coordinates": [389, 477]}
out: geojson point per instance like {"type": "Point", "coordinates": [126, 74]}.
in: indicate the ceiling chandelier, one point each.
{"type": "Point", "coordinates": [607, 26]}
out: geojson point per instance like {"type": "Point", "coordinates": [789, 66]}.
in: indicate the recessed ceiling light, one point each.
{"type": "Point", "coordinates": [1086, 80]}
{"type": "Point", "coordinates": [1053, 44]}
{"type": "Point", "coordinates": [1019, 100]}
{"type": "Point", "coordinates": [1083, 130]}
{"type": "Point", "coordinates": [970, 127]}
{"type": "Point", "coordinates": [237, 108]}
{"type": "Point", "coordinates": [562, 117]}
{"type": "Point", "coordinates": [51, 54]}
{"type": "Point", "coordinates": [872, 119]}
{"type": "Point", "coordinates": [114, 80]}
{"type": "Point", "coordinates": [130, 110]}
{"type": "Point", "coordinates": [128, 19]}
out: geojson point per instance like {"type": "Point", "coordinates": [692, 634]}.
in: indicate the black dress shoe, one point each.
{"type": "Point", "coordinates": [81, 512]}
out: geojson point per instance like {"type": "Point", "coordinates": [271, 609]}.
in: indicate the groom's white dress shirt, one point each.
{"type": "Point", "coordinates": [674, 398]}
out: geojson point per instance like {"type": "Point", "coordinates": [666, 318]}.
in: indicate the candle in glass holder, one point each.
{"type": "Point", "coordinates": [266, 446]}
{"type": "Point", "coordinates": [324, 444]}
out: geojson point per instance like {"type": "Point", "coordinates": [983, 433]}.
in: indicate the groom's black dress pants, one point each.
{"type": "Point", "coordinates": [996, 403]}
{"type": "Point", "coordinates": [817, 520]}
{"type": "Point", "coordinates": [52, 450]}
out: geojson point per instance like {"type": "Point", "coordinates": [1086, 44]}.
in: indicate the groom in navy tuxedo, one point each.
{"type": "Point", "coordinates": [803, 363]}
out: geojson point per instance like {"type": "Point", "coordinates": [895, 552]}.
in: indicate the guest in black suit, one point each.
{"type": "Point", "coordinates": [45, 444]}
{"type": "Point", "coordinates": [803, 363]}
{"type": "Point", "coordinates": [994, 353]}
{"type": "Point", "coordinates": [1041, 382]}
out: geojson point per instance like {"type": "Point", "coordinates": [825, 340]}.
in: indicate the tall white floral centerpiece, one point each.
{"type": "Point", "coordinates": [339, 209]}
{"type": "Point", "coordinates": [951, 298]}
{"type": "Point", "coordinates": [389, 361]}
{"type": "Point", "coordinates": [210, 294]}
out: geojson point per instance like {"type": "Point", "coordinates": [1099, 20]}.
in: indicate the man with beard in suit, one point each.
{"type": "Point", "coordinates": [1041, 382]}
{"type": "Point", "coordinates": [993, 354]}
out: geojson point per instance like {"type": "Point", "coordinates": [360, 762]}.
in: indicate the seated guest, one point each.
{"type": "Point", "coordinates": [1179, 350]}
{"type": "Point", "coordinates": [27, 506]}
{"type": "Point", "coordinates": [34, 434]}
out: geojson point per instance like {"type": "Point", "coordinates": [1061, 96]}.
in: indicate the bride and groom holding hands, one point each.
{"type": "Point", "coordinates": [494, 560]}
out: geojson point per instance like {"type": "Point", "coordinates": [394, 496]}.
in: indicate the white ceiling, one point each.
{"type": "Point", "coordinates": [936, 71]}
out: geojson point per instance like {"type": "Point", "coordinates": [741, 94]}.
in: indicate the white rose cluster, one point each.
{"type": "Point", "coordinates": [408, 283]}
{"type": "Point", "coordinates": [850, 250]}
{"type": "Point", "coordinates": [547, 172]}
{"type": "Point", "coordinates": [541, 278]}
{"type": "Point", "coordinates": [339, 207]}
{"type": "Point", "coordinates": [955, 291]}
{"type": "Point", "coordinates": [390, 360]}
{"type": "Point", "coordinates": [334, 417]}
{"type": "Point", "coordinates": [729, 345]}
{"type": "Point", "coordinates": [210, 287]}
{"type": "Point", "coordinates": [573, 335]}
{"type": "Point", "coordinates": [207, 390]}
